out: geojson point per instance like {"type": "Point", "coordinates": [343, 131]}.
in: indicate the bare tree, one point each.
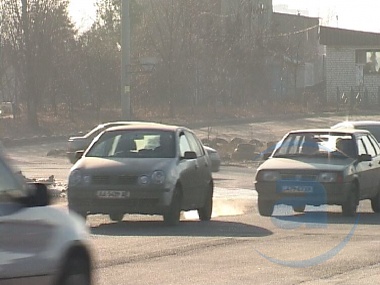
{"type": "Point", "coordinates": [37, 31]}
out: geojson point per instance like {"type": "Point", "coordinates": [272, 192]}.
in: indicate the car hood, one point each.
{"type": "Point", "coordinates": [132, 166]}
{"type": "Point", "coordinates": [305, 163]}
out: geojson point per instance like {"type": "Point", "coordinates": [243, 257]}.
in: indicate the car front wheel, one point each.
{"type": "Point", "coordinates": [205, 212]}
{"type": "Point", "coordinates": [375, 203]}
{"type": "Point", "coordinates": [76, 272]}
{"type": "Point", "coordinates": [350, 205]}
{"type": "Point", "coordinates": [265, 207]}
{"type": "Point", "coordinates": [172, 214]}
{"type": "Point", "coordinates": [299, 208]}
{"type": "Point", "coordinates": [116, 217]}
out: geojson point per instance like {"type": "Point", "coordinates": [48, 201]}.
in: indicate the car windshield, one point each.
{"type": "Point", "coordinates": [316, 144]}
{"type": "Point", "coordinates": [134, 143]}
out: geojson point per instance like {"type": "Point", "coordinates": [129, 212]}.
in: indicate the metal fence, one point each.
{"type": "Point", "coordinates": [357, 98]}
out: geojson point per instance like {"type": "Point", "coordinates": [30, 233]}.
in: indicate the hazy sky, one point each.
{"type": "Point", "coordinates": [83, 13]}
{"type": "Point", "coordinates": [352, 14]}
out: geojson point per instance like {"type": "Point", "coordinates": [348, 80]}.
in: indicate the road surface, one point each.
{"type": "Point", "coordinates": [238, 246]}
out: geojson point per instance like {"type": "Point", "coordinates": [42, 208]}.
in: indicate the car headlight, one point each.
{"type": "Point", "coordinates": [144, 180]}
{"type": "Point", "coordinates": [268, 176]}
{"type": "Point", "coordinates": [158, 177]}
{"type": "Point", "coordinates": [75, 177]}
{"type": "Point", "coordinates": [328, 177]}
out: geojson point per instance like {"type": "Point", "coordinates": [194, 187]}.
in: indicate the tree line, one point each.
{"type": "Point", "coordinates": [185, 55]}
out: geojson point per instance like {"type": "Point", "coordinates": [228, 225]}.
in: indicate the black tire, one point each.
{"type": "Point", "coordinates": [350, 205]}
{"type": "Point", "coordinates": [116, 217]}
{"type": "Point", "coordinates": [76, 272]}
{"type": "Point", "coordinates": [299, 208]}
{"type": "Point", "coordinates": [172, 214]}
{"type": "Point", "coordinates": [266, 207]}
{"type": "Point", "coordinates": [375, 203]}
{"type": "Point", "coordinates": [205, 212]}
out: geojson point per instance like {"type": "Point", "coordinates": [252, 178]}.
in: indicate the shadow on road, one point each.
{"type": "Point", "coordinates": [326, 218]}
{"type": "Point", "coordinates": [185, 228]}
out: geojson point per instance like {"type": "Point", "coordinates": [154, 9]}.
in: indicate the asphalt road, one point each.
{"type": "Point", "coordinates": [238, 246]}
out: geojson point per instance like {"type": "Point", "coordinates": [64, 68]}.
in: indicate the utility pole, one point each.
{"type": "Point", "coordinates": [125, 61]}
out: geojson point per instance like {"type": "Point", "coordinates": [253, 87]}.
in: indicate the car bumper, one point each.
{"type": "Point", "coordinates": [133, 201]}
{"type": "Point", "coordinates": [311, 193]}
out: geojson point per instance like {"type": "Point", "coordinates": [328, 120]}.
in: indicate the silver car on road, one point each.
{"type": "Point", "coordinates": [143, 169]}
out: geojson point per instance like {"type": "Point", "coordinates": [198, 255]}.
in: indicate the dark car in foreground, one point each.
{"type": "Point", "coordinates": [39, 244]}
{"type": "Point", "coordinates": [372, 126]}
{"type": "Point", "coordinates": [80, 143]}
{"type": "Point", "coordinates": [321, 166]}
{"type": "Point", "coordinates": [143, 169]}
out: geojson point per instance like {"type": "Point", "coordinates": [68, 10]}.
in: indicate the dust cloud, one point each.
{"type": "Point", "coordinates": [224, 207]}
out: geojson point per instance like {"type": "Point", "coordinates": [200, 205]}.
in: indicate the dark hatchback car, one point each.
{"type": "Point", "coordinates": [143, 169]}
{"type": "Point", "coordinates": [321, 166]}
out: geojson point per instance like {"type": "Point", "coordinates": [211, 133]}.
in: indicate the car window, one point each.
{"type": "Point", "coordinates": [368, 146]}
{"type": "Point", "coordinates": [318, 143]}
{"type": "Point", "coordinates": [375, 144]}
{"type": "Point", "coordinates": [134, 143]}
{"type": "Point", "coordinates": [361, 147]}
{"type": "Point", "coordinates": [375, 131]}
{"type": "Point", "coordinates": [194, 144]}
{"type": "Point", "coordinates": [184, 144]}
{"type": "Point", "coordinates": [289, 145]}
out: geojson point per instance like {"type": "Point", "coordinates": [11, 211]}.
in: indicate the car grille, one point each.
{"type": "Point", "coordinates": [114, 180]}
{"type": "Point", "coordinates": [298, 177]}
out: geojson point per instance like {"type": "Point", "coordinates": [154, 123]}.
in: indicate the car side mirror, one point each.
{"type": "Point", "coordinates": [190, 155]}
{"type": "Point", "coordinates": [38, 195]}
{"type": "Point", "coordinates": [364, 157]}
{"type": "Point", "coordinates": [79, 154]}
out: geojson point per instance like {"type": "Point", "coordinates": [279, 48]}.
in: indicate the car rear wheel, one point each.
{"type": "Point", "coordinates": [375, 203]}
{"type": "Point", "coordinates": [205, 212]}
{"type": "Point", "coordinates": [350, 205]}
{"type": "Point", "coordinates": [116, 217]}
{"type": "Point", "coordinates": [266, 207]}
{"type": "Point", "coordinates": [172, 214]}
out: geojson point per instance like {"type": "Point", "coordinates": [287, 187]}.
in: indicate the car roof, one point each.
{"type": "Point", "coordinates": [117, 123]}
{"type": "Point", "coordinates": [329, 130]}
{"type": "Point", "coordinates": [148, 126]}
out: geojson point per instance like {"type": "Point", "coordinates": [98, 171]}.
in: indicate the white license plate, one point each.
{"type": "Point", "coordinates": [297, 189]}
{"type": "Point", "coordinates": [109, 194]}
